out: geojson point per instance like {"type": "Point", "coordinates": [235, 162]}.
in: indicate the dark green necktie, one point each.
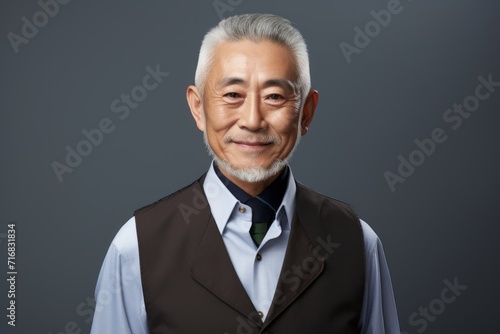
{"type": "Point", "coordinates": [262, 217]}
{"type": "Point", "coordinates": [258, 232]}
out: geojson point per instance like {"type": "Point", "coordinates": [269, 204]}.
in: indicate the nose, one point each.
{"type": "Point", "coordinates": [251, 116]}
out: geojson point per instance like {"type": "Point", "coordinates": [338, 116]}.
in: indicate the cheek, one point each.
{"type": "Point", "coordinates": [286, 126]}
{"type": "Point", "coordinates": [217, 119]}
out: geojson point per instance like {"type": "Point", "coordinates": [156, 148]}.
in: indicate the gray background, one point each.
{"type": "Point", "coordinates": [441, 223]}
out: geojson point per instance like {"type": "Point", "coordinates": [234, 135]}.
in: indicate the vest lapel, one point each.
{"type": "Point", "coordinates": [212, 268]}
{"type": "Point", "coordinates": [300, 252]}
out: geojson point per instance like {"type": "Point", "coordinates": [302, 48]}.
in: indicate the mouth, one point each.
{"type": "Point", "coordinates": [253, 146]}
{"type": "Point", "coordinates": [251, 143]}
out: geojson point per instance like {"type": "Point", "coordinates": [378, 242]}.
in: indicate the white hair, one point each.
{"type": "Point", "coordinates": [255, 27]}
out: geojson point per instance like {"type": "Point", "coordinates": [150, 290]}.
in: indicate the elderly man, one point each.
{"type": "Point", "coordinates": [246, 248]}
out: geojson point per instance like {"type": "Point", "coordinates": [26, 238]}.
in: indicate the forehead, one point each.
{"type": "Point", "coordinates": [245, 58]}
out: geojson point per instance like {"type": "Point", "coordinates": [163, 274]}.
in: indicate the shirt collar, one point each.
{"type": "Point", "coordinates": [272, 195]}
{"type": "Point", "coordinates": [222, 202]}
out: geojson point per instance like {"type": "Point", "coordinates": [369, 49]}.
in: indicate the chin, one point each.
{"type": "Point", "coordinates": [252, 174]}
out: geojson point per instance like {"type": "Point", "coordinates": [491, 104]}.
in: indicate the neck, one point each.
{"type": "Point", "coordinates": [251, 188]}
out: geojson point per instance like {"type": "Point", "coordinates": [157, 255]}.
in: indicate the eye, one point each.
{"type": "Point", "coordinates": [232, 95]}
{"type": "Point", "coordinates": [275, 97]}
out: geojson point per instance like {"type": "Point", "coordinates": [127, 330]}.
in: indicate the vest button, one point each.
{"type": "Point", "coordinates": [242, 209]}
{"type": "Point", "coordinates": [260, 314]}
{"type": "Point", "coordinates": [258, 257]}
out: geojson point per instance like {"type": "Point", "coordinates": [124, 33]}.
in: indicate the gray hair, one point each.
{"type": "Point", "coordinates": [255, 27]}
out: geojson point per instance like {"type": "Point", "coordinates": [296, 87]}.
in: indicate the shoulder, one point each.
{"type": "Point", "coordinates": [125, 241]}
{"type": "Point", "coordinates": [309, 199]}
{"type": "Point", "coordinates": [325, 205]}
{"type": "Point", "coordinates": [177, 196]}
{"type": "Point", "coordinates": [372, 241]}
{"type": "Point", "coordinates": [323, 216]}
{"type": "Point", "coordinates": [173, 196]}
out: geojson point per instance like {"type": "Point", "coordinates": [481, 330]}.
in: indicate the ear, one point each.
{"type": "Point", "coordinates": [309, 110]}
{"type": "Point", "coordinates": [195, 103]}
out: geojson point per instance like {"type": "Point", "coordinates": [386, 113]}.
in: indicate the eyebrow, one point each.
{"type": "Point", "coordinates": [282, 83]}
{"type": "Point", "coordinates": [228, 81]}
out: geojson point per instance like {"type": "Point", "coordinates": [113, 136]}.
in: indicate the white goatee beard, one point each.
{"type": "Point", "coordinates": [252, 174]}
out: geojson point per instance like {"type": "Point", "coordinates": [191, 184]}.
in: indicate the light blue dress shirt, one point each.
{"type": "Point", "coordinates": [120, 302]}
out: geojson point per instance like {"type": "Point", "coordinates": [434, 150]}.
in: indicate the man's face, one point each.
{"type": "Point", "coordinates": [251, 104]}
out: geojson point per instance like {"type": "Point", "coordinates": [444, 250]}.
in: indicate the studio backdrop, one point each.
{"type": "Point", "coordinates": [94, 124]}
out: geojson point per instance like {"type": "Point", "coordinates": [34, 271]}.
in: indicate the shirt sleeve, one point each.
{"type": "Point", "coordinates": [119, 298]}
{"type": "Point", "coordinates": [378, 314]}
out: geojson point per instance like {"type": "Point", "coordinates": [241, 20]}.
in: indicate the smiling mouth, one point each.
{"type": "Point", "coordinates": [259, 140]}
{"type": "Point", "coordinates": [253, 147]}
{"type": "Point", "coordinates": [248, 143]}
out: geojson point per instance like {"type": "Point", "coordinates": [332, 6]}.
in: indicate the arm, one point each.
{"type": "Point", "coordinates": [119, 299]}
{"type": "Point", "coordinates": [379, 315]}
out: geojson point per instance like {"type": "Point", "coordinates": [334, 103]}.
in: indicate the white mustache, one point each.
{"type": "Point", "coordinates": [252, 139]}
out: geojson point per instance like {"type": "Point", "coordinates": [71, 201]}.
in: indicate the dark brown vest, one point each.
{"type": "Point", "coordinates": [191, 287]}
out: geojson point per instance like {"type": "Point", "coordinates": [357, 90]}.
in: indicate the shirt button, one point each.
{"type": "Point", "coordinates": [258, 257]}
{"type": "Point", "coordinates": [260, 314]}
{"type": "Point", "coordinates": [242, 209]}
